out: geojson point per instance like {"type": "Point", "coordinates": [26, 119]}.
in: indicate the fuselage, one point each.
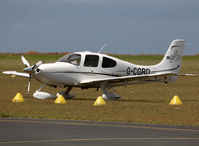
{"type": "Point", "coordinates": [73, 68]}
{"type": "Point", "coordinates": [95, 70]}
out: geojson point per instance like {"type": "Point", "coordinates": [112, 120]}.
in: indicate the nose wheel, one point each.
{"type": "Point", "coordinates": [42, 95]}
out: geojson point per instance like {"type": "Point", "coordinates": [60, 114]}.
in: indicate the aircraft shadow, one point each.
{"type": "Point", "coordinates": [125, 100]}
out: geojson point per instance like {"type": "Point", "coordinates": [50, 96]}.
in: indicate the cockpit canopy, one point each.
{"type": "Point", "coordinates": [90, 60]}
{"type": "Point", "coordinates": [71, 58]}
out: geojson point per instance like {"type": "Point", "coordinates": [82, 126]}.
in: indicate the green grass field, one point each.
{"type": "Point", "coordinates": [146, 103]}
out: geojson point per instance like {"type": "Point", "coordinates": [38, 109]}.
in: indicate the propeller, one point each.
{"type": "Point", "coordinates": [29, 69]}
{"type": "Point", "coordinates": [25, 62]}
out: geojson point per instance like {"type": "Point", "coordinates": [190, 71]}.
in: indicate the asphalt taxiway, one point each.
{"type": "Point", "coordinates": [21, 131]}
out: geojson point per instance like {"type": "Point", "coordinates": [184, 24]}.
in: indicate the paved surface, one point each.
{"type": "Point", "coordinates": [20, 131]}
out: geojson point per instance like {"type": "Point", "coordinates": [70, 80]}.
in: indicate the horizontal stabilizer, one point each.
{"type": "Point", "coordinates": [188, 74]}
{"type": "Point", "coordinates": [16, 73]}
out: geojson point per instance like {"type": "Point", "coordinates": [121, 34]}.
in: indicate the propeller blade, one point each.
{"type": "Point", "coordinates": [28, 91]}
{"type": "Point", "coordinates": [25, 62]}
{"type": "Point", "coordinates": [38, 64]}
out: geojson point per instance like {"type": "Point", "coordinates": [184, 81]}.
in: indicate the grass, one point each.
{"type": "Point", "coordinates": [146, 103]}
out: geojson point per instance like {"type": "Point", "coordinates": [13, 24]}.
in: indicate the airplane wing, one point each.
{"type": "Point", "coordinates": [133, 78]}
{"type": "Point", "coordinates": [17, 73]}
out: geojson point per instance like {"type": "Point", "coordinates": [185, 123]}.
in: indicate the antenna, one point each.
{"type": "Point", "coordinates": [102, 47]}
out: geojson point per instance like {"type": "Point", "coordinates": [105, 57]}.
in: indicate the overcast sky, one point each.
{"type": "Point", "coordinates": [128, 26]}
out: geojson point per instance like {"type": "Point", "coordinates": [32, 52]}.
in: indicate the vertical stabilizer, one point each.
{"type": "Point", "coordinates": [173, 57]}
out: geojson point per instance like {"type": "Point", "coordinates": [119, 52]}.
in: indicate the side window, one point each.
{"type": "Point", "coordinates": [107, 62]}
{"type": "Point", "coordinates": [91, 60]}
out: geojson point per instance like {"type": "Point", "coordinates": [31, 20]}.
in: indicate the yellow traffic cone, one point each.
{"type": "Point", "coordinates": [175, 101]}
{"type": "Point", "coordinates": [60, 100]}
{"type": "Point", "coordinates": [18, 98]}
{"type": "Point", "coordinates": [99, 101]}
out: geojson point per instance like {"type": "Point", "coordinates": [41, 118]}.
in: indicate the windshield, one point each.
{"type": "Point", "coordinates": [71, 58]}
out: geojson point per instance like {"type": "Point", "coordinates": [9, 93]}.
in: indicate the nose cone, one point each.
{"type": "Point", "coordinates": [29, 69]}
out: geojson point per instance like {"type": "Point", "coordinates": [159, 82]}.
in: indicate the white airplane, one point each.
{"type": "Point", "coordinates": [95, 70]}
